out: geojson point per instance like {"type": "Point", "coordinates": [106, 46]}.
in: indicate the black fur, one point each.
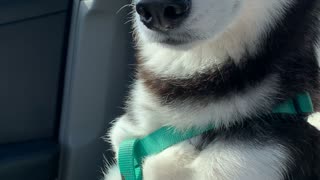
{"type": "Point", "coordinates": [293, 132]}
{"type": "Point", "coordinates": [287, 51]}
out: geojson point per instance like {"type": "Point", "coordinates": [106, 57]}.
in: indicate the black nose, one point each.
{"type": "Point", "coordinates": [163, 15]}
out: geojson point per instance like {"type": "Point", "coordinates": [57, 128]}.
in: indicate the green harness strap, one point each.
{"type": "Point", "coordinates": [133, 151]}
{"type": "Point", "coordinates": [302, 103]}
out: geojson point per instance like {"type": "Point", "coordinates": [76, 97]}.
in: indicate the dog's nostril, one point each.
{"type": "Point", "coordinates": [163, 15]}
{"type": "Point", "coordinates": [145, 15]}
{"type": "Point", "coordinates": [174, 12]}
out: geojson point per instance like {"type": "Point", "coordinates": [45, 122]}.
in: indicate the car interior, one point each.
{"type": "Point", "coordinates": [65, 70]}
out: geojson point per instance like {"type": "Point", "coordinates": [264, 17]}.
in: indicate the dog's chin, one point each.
{"type": "Point", "coordinates": [177, 41]}
{"type": "Point", "coordinates": [174, 42]}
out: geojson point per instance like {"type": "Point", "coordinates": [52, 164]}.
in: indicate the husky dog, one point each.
{"type": "Point", "coordinates": [226, 63]}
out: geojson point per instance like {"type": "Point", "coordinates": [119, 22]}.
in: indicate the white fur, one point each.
{"type": "Point", "coordinates": [220, 29]}
{"type": "Point", "coordinates": [240, 162]}
{"type": "Point", "coordinates": [150, 114]}
{"type": "Point", "coordinates": [222, 34]}
{"type": "Point", "coordinates": [218, 162]}
{"type": "Point", "coordinates": [314, 120]}
{"type": "Point", "coordinates": [318, 53]}
{"type": "Point", "coordinates": [123, 129]}
{"type": "Point", "coordinates": [113, 173]}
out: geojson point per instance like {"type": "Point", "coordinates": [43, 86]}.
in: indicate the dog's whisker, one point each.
{"type": "Point", "coordinates": [125, 6]}
{"type": "Point", "coordinates": [129, 21]}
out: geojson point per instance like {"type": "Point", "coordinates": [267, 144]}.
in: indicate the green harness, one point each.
{"type": "Point", "coordinates": [132, 152]}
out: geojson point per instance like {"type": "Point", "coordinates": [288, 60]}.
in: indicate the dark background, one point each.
{"type": "Point", "coordinates": [64, 72]}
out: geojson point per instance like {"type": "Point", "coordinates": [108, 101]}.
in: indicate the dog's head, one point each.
{"type": "Point", "coordinates": [181, 22]}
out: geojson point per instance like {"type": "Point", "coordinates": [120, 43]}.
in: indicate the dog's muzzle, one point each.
{"type": "Point", "coordinates": [163, 15]}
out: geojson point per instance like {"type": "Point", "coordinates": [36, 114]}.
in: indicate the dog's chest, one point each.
{"type": "Point", "coordinates": [215, 156]}
{"type": "Point", "coordinates": [218, 161]}
{"type": "Point", "coordinates": [173, 163]}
